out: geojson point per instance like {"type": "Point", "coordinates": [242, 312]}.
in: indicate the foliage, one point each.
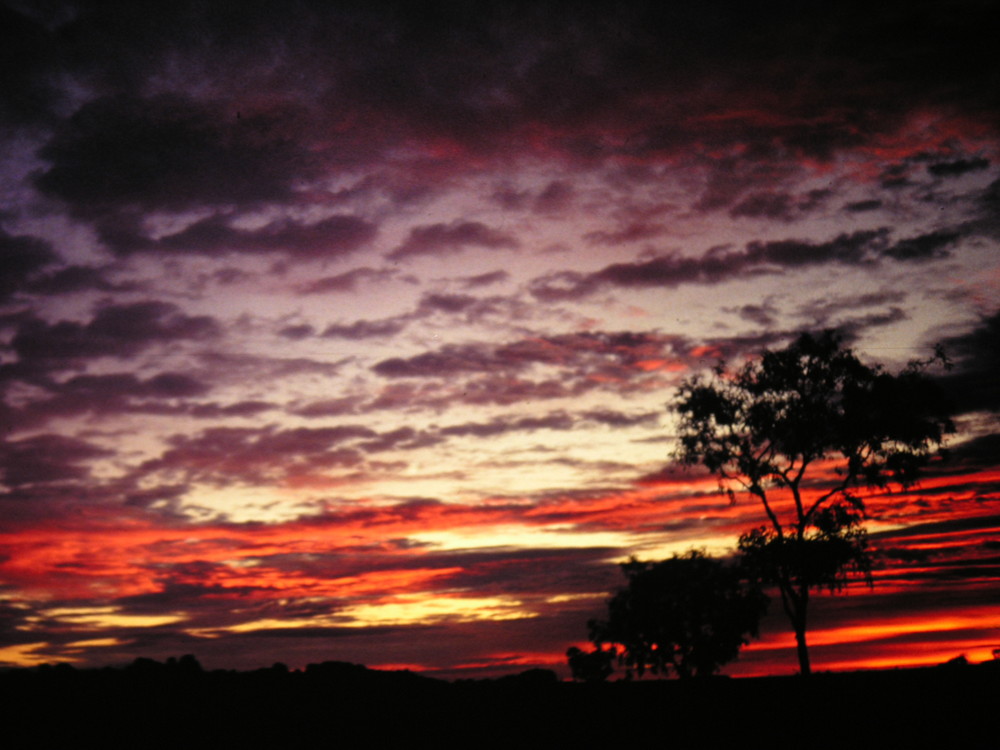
{"type": "Point", "coordinates": [690, 614]}
{"type": "Point", "coordinates": [811, 406]}
{"type": "Point", "coordinates": [590, 666]}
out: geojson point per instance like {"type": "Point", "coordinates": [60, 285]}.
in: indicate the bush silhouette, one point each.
{"type": "Point", "coordinates": [690, 614]}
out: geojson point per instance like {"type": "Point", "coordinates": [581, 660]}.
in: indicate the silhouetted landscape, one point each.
{"type": "Point", "coordinates": [339, 703]}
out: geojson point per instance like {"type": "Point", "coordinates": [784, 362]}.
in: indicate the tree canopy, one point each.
{"type": "Point", "coordinates": [689, 614]}
{"type": "Point", "coordinates": [802, 429]}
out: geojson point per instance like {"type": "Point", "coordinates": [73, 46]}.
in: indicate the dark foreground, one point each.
{"type": "Point", "coordinates": [341, 705]}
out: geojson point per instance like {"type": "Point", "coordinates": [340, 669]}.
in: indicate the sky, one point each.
{"type": "Point", "coordinates": [349, 331]}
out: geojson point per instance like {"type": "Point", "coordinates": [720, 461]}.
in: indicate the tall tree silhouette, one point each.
{"type": "Point", "coordinates": [690, 613]}
{"type": "Point", "coordinates": [802, 429]}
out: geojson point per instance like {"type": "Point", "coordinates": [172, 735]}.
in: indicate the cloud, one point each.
{"type": "Point", "coordinates": [74, 278]}
{"type": "Point", "coordinates": [763, 314]}
{"type": "Point", "coordinates": [46, 459]}
{"type": "Point", "coordinates": [168, 152]}
{"type": "Point", "coordinates": [484, 279]}
{"type": "Point", "coordinates": [715, 266]}
{"type": "Point", "coordinates": [21, 258]}
{"type": "Point", "coordinates": [330, 237]}
{"type": "Point", "coordinates": [569, 365]}
{"type": "Point", "coordinates": [857, 207]}
{"type": "Point", "coordinates": [974, 385]}
{"type": "Point", "coordinates": [347, 281]}
{"type": "Point", "coordinates": [957, 167]}
{"type": "Point", "coordinates": [719, 264]}
{"type": "Point", "coordinates": [822, 310]}
{"type": "Point", "coordinates": [634, 232]}
{"type": "Point", "coordinates": [555, 198]}
{"type": "Point", "coordinates": [449, 303]}
{"type": "Point", "coordinates": [365, 329]}
{"type": "Point", "coordinates": [923, 247]}
{"type": "Point", "coordinates": [444, 239]}
{"type": "Point", "coordinates": [220, 454]}
{"type": "Point", "coordinates": [115, 330]}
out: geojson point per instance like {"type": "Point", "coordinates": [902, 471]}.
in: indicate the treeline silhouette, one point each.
{"type": "Point", "coordinates": [342, 704]}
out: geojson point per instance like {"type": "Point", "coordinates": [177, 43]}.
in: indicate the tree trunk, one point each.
{"type": "Point", "coordinates": [803, 649]}
{"type": "Point", "coordinates": [800, 605]}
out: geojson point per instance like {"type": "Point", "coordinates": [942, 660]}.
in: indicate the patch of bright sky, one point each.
{"type": "Point", "coordinates": [24, 655]}
{"type": "Point", "coordinates": [98, 617]}
{"type": "Point", "coordinates": [239, 504]}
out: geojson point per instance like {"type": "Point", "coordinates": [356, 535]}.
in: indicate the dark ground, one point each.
{"type": "Point", "coordinates": [341, 705]}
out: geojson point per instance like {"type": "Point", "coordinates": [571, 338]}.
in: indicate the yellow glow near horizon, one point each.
{"type": "Point", "coordinates": [414, 611]}
{"type": "Point", "coordinates": [533, 537]}
{"type": "Point", "coordinates": [104, 617]}
{"type": "Point", "coordinates": [22, 655]}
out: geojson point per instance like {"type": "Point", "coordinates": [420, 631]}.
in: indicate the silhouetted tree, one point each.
{"type": "Point", "coordinates": [690, 613]}
{"type": "Point", "coordinates": [801, 429]}
{"type": "Point", "coordinates": [590, 666]}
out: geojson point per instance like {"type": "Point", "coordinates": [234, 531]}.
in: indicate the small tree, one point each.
{"type": "Point", "coordinates": [690, 614]}
{"type": "Point", "coordinates": [590, 666]}
{"type": "Point", "coordinates": [801, 429]}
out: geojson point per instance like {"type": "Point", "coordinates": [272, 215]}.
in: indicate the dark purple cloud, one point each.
{"type": "Point", "coordinates": [719, 264]}
{"type": "Point", "coordinates": [168, 152]}
{"type": "Point", "coordinates": [448, 303]}
{"type": "Point", "coordinates": [923, 247]}
{"type": "Point", "coordinates": [485, 279]}
{"type": "Point", "coordinates": [115, 330]}
{"type": "Point", "coordinates": [634, 232]}
{"type": "Point", "coordinates": [822, 310]}
{"type": "Point", "coordinates": [557, 197]}
{"type": "Point", "coordinates": [251, 454]}
{"type": "Point", "coordinates": [46, 459]}
{"type": "Point", "coordinates": [365, 329]}
{"type": "Point", "coordinates": [973, 385]}
{"type": "Point", "coordinates": [347, 281]}
{"type": "Point", "coordinates": [602, 356]}
{"type": "Point", "coordinates": [330, 237]}
{"type": "Point", "coordinates": [857, 207]}
{"type": "Point", "coordinates": [78, 279]}
{"type": "Point", "coordinates": [445, 239]}
{"type": "Point", "coordinates": [21, 257]}
{"type": "Point", "coordinates": [957, 167]}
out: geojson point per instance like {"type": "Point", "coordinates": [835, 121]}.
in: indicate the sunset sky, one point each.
{"type": "Point", "coordinates": [349, 331]}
